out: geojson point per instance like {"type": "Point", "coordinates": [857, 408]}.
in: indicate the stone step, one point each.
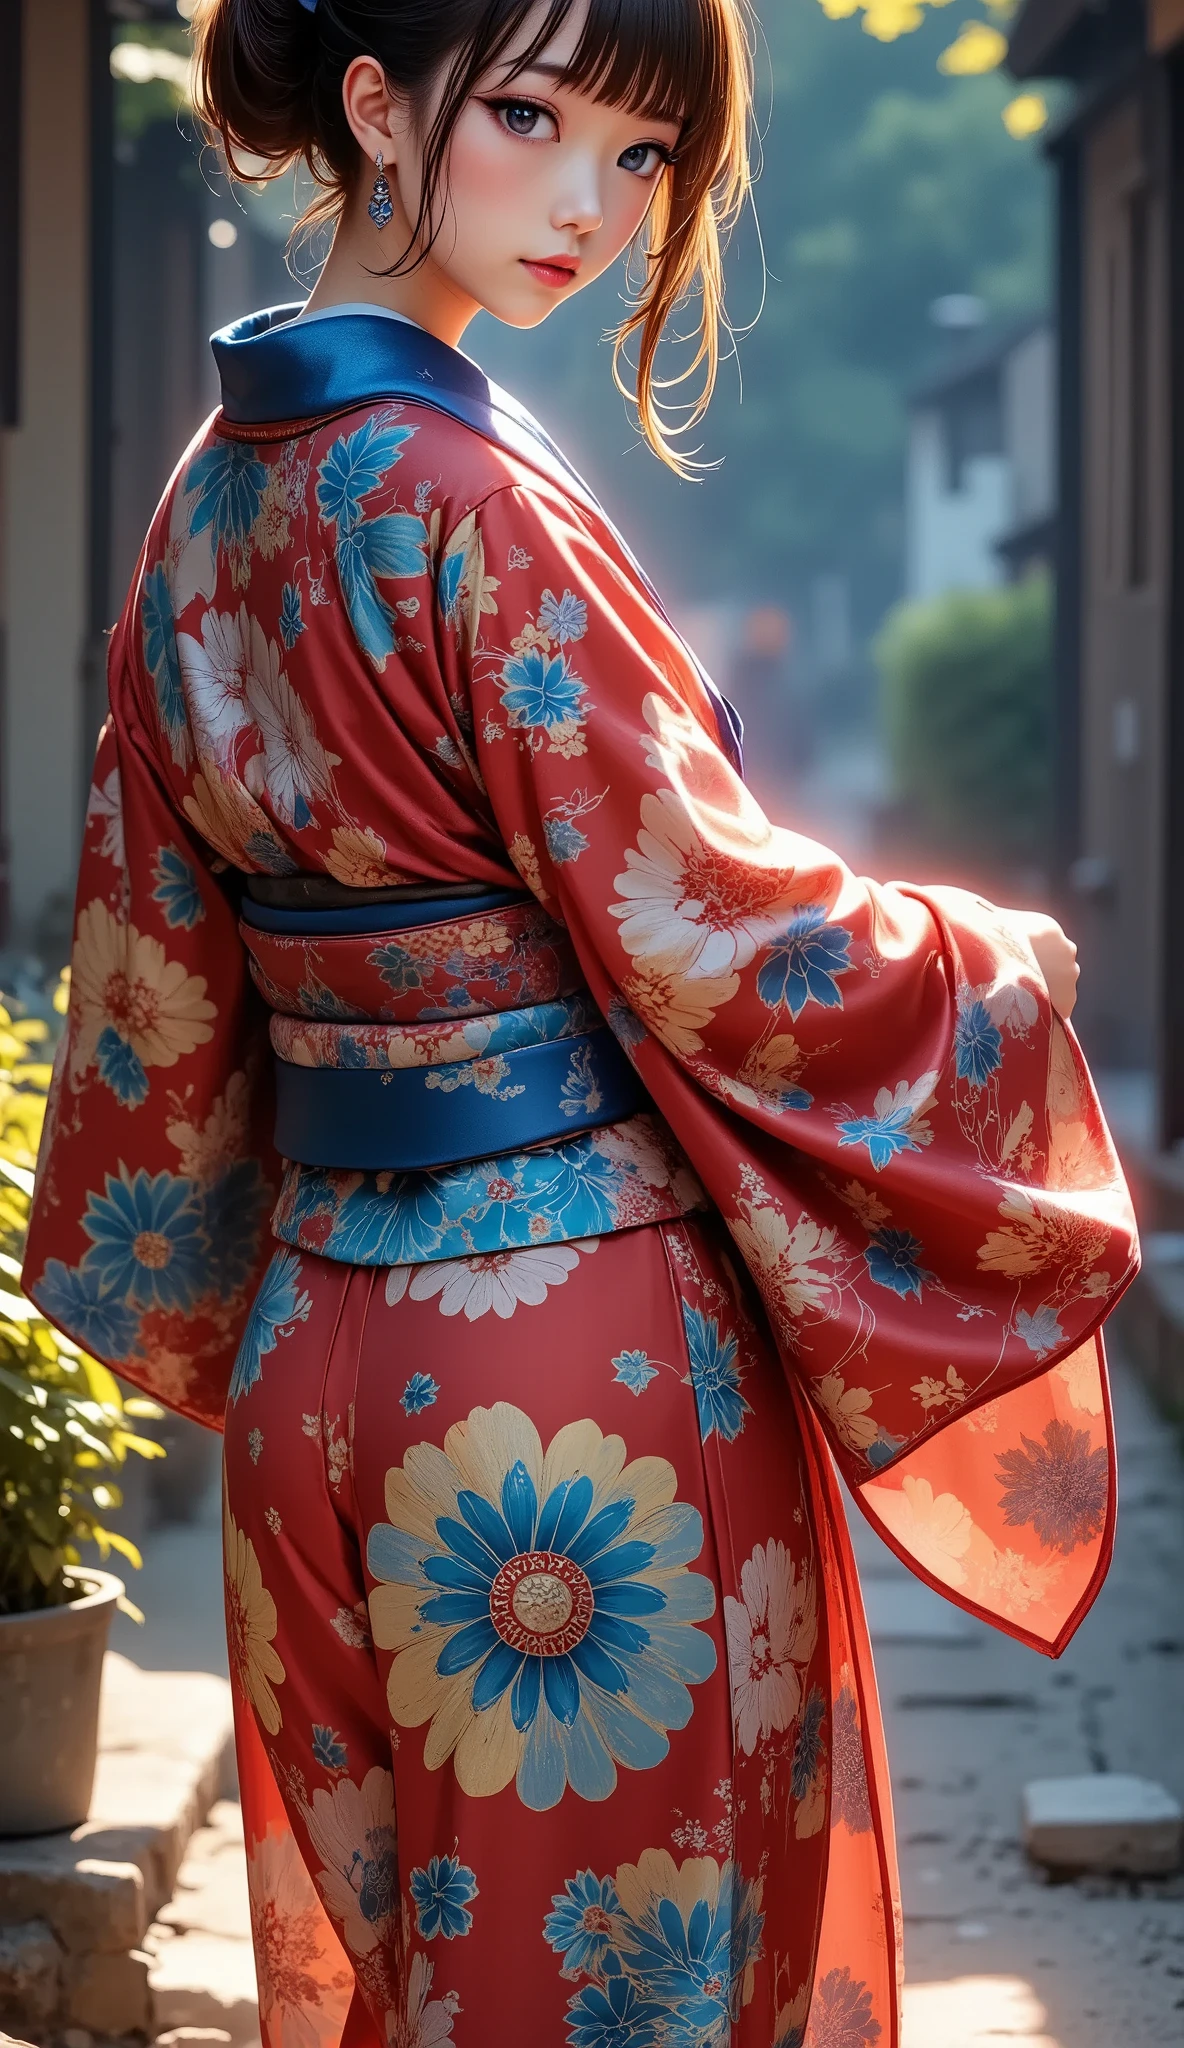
{"type": "Point", "coordinates": [75, 1907]}
{"type": "Point", "coordinates": [203, 1970]}
{"type": "Point", "coordinates": [1105, 1822]}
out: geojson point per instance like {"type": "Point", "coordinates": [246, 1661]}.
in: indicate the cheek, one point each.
{"type": "Point", "coordinates": [492, 182]}
{"type": "Point", "coordinates": [626, 201]}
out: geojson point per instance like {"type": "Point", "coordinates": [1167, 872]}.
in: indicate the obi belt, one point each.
{"type": "Point", "coordinates": [445, 1085]}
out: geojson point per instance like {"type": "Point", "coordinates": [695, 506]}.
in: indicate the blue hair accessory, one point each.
{"type": "Point", "coordinates": [309, 6]}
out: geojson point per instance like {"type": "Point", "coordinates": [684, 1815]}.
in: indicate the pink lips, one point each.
{"type": "Point", "coordinates": [555, 271]}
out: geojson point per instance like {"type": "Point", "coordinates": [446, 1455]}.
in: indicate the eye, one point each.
{"type": "Point", "coordinates": [644, 159]}
{"type": "Point", "coordinates": [523, 118]}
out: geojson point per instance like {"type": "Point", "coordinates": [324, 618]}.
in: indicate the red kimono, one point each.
{"type": "Point", "coordinates": [557, 1716]}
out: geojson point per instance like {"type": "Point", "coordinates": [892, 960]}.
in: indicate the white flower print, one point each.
{"type": "Point", "coordinates": [693, 906]}
{"type": "Point", "coordinates": [428, 2021]}
{"type": "Point", "coordinates": [772, 1629]}
{"type": "Point", "coordinates": [214, 673]}
{"type": "Point", "coordinates": [353, 1626]}
{"type": "Point", "coordinates": [497, 1280]}
{"type": "Point", "coordinates": [294, 768]}
{"type": "Point", "coordinates": [352, 1829]}
{"type": "Point", "coordinates": [106, 802]}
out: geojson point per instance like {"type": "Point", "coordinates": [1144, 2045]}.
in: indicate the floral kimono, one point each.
{"type": "Point", "coordinates": [548, 1172]}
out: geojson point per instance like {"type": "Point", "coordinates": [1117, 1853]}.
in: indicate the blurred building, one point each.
{"type": "Point", "coordinates": [120, 249]}
{"type": "Point", "coordinates": [1118, 158]}
{"type": "Point", "coordinates": [980, 487]}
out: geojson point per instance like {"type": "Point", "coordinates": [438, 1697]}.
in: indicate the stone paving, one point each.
{"type": "Point", "coordinates": [996, 1951]}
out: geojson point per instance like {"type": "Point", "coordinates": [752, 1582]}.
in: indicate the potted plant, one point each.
{"type": "Point", "coordinates": [66, 1432]}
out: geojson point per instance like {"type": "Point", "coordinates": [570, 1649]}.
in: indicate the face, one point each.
{"type": "Point", "coordinates": [545, 186]}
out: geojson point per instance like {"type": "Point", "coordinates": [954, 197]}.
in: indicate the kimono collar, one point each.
{"type": "Point", "coordinates": [277, 368]}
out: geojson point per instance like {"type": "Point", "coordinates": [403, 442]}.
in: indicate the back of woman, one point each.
{"type": "Point", "coordinates": [543, 1167]}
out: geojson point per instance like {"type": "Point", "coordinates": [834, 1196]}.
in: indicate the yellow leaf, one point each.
{"type": "Point", "coordinates": [888, 19]}
{"type": "Point", "coordinates": [1025, 115]}
{"type": "Point", "coordinates": [19, 1175]}
{"type": "Point", "coordinates": [977, 47]}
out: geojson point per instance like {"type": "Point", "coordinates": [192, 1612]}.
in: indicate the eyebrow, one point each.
{"type": "Point", "coordinates": [560, 72]}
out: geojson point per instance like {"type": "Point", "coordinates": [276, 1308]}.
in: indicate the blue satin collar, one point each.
{"type": "Point", "coordinates": [275, 367]}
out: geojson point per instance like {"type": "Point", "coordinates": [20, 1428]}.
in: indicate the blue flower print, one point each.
{"type": "Point", "coordinates": [978, 1044]}
{"type": "Point", "coordinates": [275, 1311]}
{"type": "Point", "coordinates": [232, 1212]}
{"type": "Point", "coordinates": [291, 616]}
{"type": "Point", "coordinates": [632, 1369]}
{"type": "Point", "coordinates": [802, 965]}
{"type": "Point", "coordinates": [176, 890]}
{"type": "Point", "coordinates": [808, 1749]}
{"type": "Point", "coordinates": [265, 853]}
{"type": "Point", "coordinates": [613, 2015]}
{"type": "Point", "coordinates": [393, 545]}
{"type": "Point", "coordinates": [563, 618]}
{"type": "Point", "coordinates": [892, 1258]}
{"type": "Point", "coordinates": [564, 1610]}
{"type": "Point", "coordinates": [71, 1297]}
{"type": "Point", "coordinates": [148, 1246]}
{"type": "Point", "coordinates": [715, 1376]}
{"type": "Point", "coordinates": [442, 1893]}
{"type": "Point", "coordinates": [897, 1124]}
{"type": "Point", "coordinates": [398, 969]}
{"type": "Point", "coordinates": [419, 1393]}
{"type": "Point", "coordinates": [884, 1136]}
{"type": "Point", "coordinates": [328, 1749]}
{"type": "Point", "coordinates": [163, 662]}
{"type": "Point", "coordinates": [121, 1067]}
{"type": "Point", "coordinates": [688, 1954]}
{"type": "Point", "coordinates": [355, 465]}
{"type": "Point", "coordinates": [540, 689]}
{"type": "Point", "coordinates": [230, 481]}
{"type": "Point", "coordinates": [580, 1927]}
{"type": "Point", "coordinates": [564, 840]}
{"type": "Point", "coordinates": [1040, 1330]}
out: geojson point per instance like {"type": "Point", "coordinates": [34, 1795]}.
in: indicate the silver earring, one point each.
{"type": "Point", "coordinates": [380, 209]}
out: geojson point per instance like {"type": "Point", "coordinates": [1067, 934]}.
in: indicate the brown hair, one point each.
{"type": "Point", "coordinates": [270, 77]}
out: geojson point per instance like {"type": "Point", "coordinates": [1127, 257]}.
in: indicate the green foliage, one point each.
{"type": "Point", "coordinates": [64, 1425]}
{"type": "Point", "coordinates": [966, 699]}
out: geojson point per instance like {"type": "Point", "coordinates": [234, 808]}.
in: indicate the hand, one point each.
{"type": "Point", "coordinates": [1056, 956]}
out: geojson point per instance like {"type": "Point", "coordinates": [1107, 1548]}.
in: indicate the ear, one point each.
{"type": "Point", "coordinates": [376, 115]}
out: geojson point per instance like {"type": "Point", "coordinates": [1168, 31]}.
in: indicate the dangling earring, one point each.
{"type": "Point", "coordinates": [380, 209]}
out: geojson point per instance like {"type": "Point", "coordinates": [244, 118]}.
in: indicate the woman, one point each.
{"type": "Point", "coordinates": [556, 1715]}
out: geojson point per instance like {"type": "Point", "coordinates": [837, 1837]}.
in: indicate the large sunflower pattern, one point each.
{"type": "Point", "coordinates": [539, 1606]}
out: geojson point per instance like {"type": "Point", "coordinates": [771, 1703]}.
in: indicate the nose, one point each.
{"type": "Point", "coordinates": [579, 204]}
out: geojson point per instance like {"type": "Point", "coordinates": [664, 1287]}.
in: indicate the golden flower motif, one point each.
{"type": "Point", "coordinates": [1038, 1233]}
{"type": "Point", "coordinates": [251, 1623]}
{"type": "Point", "coordinates": [675, 1007]}
{"type": "Point", "coordinates": [784, 1262]}
{"type": "Point", "coordinates": [121, 978]}
{"type": "Point", "coordinates": [357, 858]}
{"type": "Point", "coordinates": [525, 858]}
{"type": "Point", "coordinates": [271, 532]}
{"type": "Point", "coordinates": [848, 1411]}
{"type": "Point", "coordinates": [225, 814]}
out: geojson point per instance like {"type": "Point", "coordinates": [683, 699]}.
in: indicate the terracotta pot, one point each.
{"type": "Point", "coordinates": [51, 1668]}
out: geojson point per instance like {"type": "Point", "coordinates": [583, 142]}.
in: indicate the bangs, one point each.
{"type": "Point", "coordinates": [651, 57]}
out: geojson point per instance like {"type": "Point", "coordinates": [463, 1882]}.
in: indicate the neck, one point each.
{"type": "Point", "coordinates": [356, 269]}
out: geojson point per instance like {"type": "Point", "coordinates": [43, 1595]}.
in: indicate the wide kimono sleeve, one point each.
{"type": "Point", "coordinates": [156, 1171]}
{"type": "Point", "coordinates": [898, 1130]}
